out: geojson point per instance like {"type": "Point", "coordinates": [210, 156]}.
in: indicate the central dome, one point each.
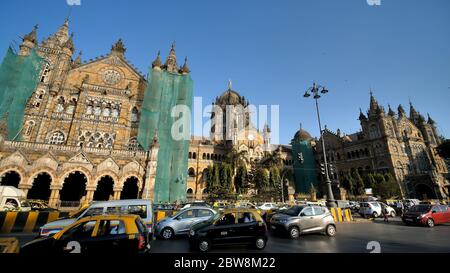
{"type": "Point", "coordinates": [231, 97]}
{"type": "Point", "coordinates": [302, 135]}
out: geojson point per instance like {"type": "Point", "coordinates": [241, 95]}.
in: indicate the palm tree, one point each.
{"type": "Point", "coordinates": [272, 160]}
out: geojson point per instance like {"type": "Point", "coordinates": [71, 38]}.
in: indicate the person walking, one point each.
{"type": "Point", "coordinates": [400, 208]}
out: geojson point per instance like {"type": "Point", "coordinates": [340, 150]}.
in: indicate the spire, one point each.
{"type": "Point", "coordinates": [32, 36]}
{"type": "Point", "coordinates": [118, 49]}
{"type": "Point", "coordinates": [266, 128]}
{"type": "Point", "coordinates": [230, 85]}
{"type": "Point", "coordinates": [391, 112]}
{"type": "Point", "coordinates": [157, 62]}
{"type": "Point", "coordinates": [413, 114]}
{"type": "Point", "coordinates": [430, 120]}
{"type": "Point", "coordinates": [77, 61]}
{"type": "Point", "coordinates": [63, 32]}
{"type": "Point", "coordinates": [374, 107]}
{"type": "Point", "coordinates": [185, 68]}
{"type": "Point", "coordinates": [401, 111]}
{"type": "Point", "coordinates": [29, 41]}
{"type": "Point", "coordinates": [69, 44]}
{"type": "Point", "coordinates": [171, 62]}
{"type": "Point", "coordinates": [361, 115]}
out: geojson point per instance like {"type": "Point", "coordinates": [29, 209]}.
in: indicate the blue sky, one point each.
{"type": "Point", "coordinates": [273, 50]}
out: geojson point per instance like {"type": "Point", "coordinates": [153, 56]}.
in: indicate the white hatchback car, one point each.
{"type": "Point", "coordinates": [268, 206]}
{"type": "Point", "coordinates": [374, 209]}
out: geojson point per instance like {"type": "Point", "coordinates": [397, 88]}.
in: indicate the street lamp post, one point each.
{"type": "Point", "coordinates": [316, 90]}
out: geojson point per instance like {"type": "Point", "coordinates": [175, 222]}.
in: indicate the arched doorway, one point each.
{"type": "Point", "coordinates": [74, 187]}
{"type": "Point", "coordinates": [424, 192]}
{"type": "Point", "coordinates": [11, 178]}
{"type": "Point", "coordinates": [105, 189]}
{"type": "Point", "coordinates": [41, 187]}
{"type": "Point", "coordinates": [130, 189]}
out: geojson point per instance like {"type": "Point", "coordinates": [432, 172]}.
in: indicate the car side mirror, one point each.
{"type": "Point", "coordinates": [433, 212]}
{"type": "Point", "coordinates": [302, 214]}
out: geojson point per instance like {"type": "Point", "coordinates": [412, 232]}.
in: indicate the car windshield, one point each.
{"type": "Point", "coordinates": [294, 211]}
{"type": "Point", "coordinates": [76, 215]}
{"type": "Point", "coordinates": [420, 208]}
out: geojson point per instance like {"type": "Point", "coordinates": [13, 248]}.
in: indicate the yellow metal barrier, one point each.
{"type": "Point", "coordinates": [26, 222]}
{"type": "Point", "coordinates": [341, 215]}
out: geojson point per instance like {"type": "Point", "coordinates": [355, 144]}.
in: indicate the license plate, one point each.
{"type": "Point", "coordinates": [408, 220]}
{"type": "Point", "coordinates": [273, 227]}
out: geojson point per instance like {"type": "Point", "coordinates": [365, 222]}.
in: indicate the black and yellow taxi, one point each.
{"type": "Point", "coordinates": [116, 234]}
{"type": "Point", "coordinates": [230, 227]}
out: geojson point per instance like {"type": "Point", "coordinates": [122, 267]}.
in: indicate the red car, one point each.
{"type": "Point", "coordinates": [428, 215]}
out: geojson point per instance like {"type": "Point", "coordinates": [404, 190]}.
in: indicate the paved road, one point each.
{"type": "Point", "coordinates": [394, 237]}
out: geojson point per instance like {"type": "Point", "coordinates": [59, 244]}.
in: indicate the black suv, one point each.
{"type": "Point", "coordinates": [230, 227]}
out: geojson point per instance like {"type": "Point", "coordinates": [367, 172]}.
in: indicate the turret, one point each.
{"type": "Point", "coordinates": [157, 62]}
{"type": "Point", "coordinates": [185, 69]}
{"type": "Point", "coordinates": [118, 49]}
{"type": "Point", "coordinates": [29, 42]}
{"type": "Point", "coordinates": [171, 61]}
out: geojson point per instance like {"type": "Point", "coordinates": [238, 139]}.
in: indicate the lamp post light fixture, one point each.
{"type": "Point", "coordinates": [317, 92]}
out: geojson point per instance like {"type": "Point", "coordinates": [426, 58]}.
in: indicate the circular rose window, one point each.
{"type": "Point", "coordinates": [111, 77]}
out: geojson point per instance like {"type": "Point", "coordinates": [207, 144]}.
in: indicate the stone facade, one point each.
{"type": "Point", "coordinates": [83, 117]}
{"type": "Point", "coordinates": [238, 134]}
{"type": "Point", "coordinates": [391, 142]}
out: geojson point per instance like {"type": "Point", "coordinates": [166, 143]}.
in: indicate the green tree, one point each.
{"type": "Point", "coordinates": [369, 181]}
{"type": "Point", "coordinates": [359, 183]}
{"type": "Point", "coordinates": [348, 184]}
{"type": "Point", "coordinates": [240, 180]}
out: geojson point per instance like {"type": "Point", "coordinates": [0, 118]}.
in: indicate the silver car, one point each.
{"type": "Point", "coordinates": [304, 219]}
{"type": "Point", "coordinates": [181, 222]}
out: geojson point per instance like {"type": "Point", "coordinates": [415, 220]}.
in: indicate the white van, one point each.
{"type": "Point", "coordinates": [13, 199]}
{"type": "Point", "coordinates": [143, 208]}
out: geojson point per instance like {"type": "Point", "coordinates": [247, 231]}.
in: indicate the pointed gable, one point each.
{"type": "Point", "coordinates": [17, 158]}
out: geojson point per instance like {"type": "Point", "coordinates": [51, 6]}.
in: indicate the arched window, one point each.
{"type": "Point", "coordinates": [191, 172]}
{"type": "Point", "coordinates": [30, 126]}
{"type": "Point", "coordinates": [60, 105]}
{"type": "Point", "coordinates": [132, 144]}
{"type": "Point", "coordinates": [194, 156]}
{"type": "Point", "coordinates": [45, 73]}
{"type": "Point", "coordinates": [134, 115]}
{"type": "Point", "coordinates": [374, 131]}
{"type": "Point", "coordinates": [190, 191]}
{"type": "Point", "coordinates": [107, 111]}
{"type": "Point", "coordinates": [89, 108]}
{"type": "Point", "coordinates": [57, 138]}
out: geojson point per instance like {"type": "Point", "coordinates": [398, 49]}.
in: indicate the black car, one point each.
{"type": "Point", "coordinates": [230, 227]}
{"type": "Point", "coordinates": [124, 234]}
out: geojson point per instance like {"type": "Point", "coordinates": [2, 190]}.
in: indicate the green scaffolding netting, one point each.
{"type": "Point", "coordinates": [164, 91]}
{"type": "Point", "coordinates": [304, 167]}
{"type": "Point", "coordinates": [19, 76]}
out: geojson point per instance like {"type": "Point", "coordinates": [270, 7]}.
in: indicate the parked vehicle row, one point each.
{"type": "Point", "coordinates": [427, 215]}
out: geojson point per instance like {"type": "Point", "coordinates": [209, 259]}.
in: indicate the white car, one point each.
{"type": "Point", "coordinates": [374, 209]}
{"type": "Point", "coordinates": [268, 206]}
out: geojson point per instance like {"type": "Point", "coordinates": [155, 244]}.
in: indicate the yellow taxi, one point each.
{"type": "Point", "coordinates": [96, 234]}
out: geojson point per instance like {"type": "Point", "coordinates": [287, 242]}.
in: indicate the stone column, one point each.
{"type": "Point", "coordinates": [150, 178]}
{"type": "Point", "coordinates": [117, 193]}
{"type": "Point", "coordinates": [25, 188]}
{"type": "Point", "coordinates": [54, 197]}
{"type": "Point", "coordinates": [90, 194]}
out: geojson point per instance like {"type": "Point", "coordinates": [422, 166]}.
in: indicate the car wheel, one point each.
{"type": "Point", "coordinates": [393, 214]}
{"type": "Point", "coordinates": [375, 215]}
{"type": "Point", "coordinates": [430, 223]}
{"type": "Point", "coordinates": [204, 245]}
{"type": "Point", "coordinates": [331, 230]}
{"type": "Point", "coordinates": [167, 233]}
{"type": "Point", "coordinates": [260, 243]}
{"type": "Point", "coordinates": [294, 232]}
